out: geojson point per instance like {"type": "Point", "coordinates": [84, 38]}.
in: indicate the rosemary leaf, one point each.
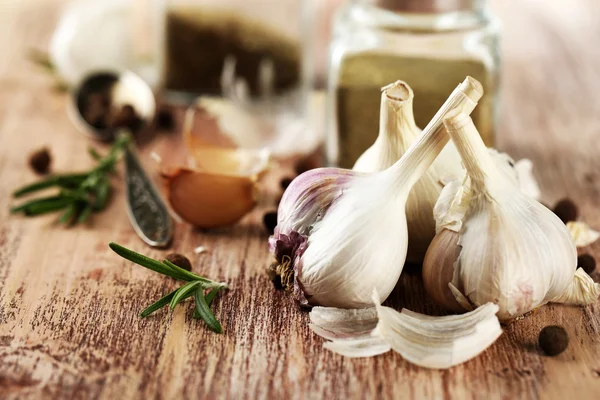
{"type": "Point", "coordinates": [204, 311]}
{"type": "Point", "coordinates": [209, 299]}
{"type": "Point", "coordinates": [147, 262]}
{"type": "Point", "coordinates": [69, 213]}
{"type": "Point", "coordinates": [182, 292]}
{"type": "Point", "coordinates": [66, 181]}
{"type": "Point", "coordinates": [94, 154]}
{"type": "Point", "coordinates": [102, 192]}
{"type": "Point", "coordinates": [85, 214]}
{"type": "Point", "coordinates": [190, 275]}
{"type": "Point", "coordinates": [163, 301]}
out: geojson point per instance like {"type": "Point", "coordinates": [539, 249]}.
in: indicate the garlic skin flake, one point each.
{"type": "Point", "coordinates": [498, 244]}
{"type": "Point", "coordinates": [430, 342]}
{"type": "Point", "coordinates": [582, 234]}
{"type": "Point", "coordinates": [341, 234]}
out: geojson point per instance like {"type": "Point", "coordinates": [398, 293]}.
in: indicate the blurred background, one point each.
{"type": "Point", "coordinates": [308, 70]}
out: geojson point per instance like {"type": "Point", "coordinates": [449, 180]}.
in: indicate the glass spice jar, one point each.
{"type": "Point", "coordinates": [201, 34]}
{"type": "Point", "coordinates": [430, 44]}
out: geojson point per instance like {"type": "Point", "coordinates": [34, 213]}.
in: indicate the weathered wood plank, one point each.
{"type": "Point", "coordinates": [69, 306]}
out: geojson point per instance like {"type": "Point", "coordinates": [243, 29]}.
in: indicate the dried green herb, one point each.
{"type": "Point", "coordinates": [79, 194]}
{"type": "Point", "coordinates": [42, 59]}
{"type": "Point", "coordinates": [195, 286]}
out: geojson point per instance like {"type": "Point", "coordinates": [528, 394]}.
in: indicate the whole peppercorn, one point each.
{"type": "Point", "coordinates": [285, 182]}
{"type": "Point", "coordinates": [587, 262]}
{"type": "Point", "coordinates": [40, 161]}
{"type": "Point", "coordinates": [164, 119]}
{"type": "Point", "coordinates": [270, 221]}
{"type": "Point", "coordinates": [553, 340]}
{"type": "Point", "coordinates": [180, 260]}
{"type": "Point", "coordinates": [566, 210]}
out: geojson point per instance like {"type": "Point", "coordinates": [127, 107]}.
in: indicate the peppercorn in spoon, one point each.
{"type": "Point", "coordinates": [108, 104]}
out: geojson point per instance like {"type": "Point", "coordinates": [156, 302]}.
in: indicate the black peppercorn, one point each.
{"type": "Point", "coordinates": [164, 119]}
{"type": "Point", "coordinates": [566, 210]}
{"type": "Point", "coordinates": [285, 182]}
{"type": "Point", "coordinates": [40, 161]}
{"type": "Point", "coordinates": [553, 340]}
{"type": "Point", "coordinates": [587, 262]}
{"type": "Point", "coordinates": [180, 260]}
{"type": "Point", "coordinates": [270, 221]}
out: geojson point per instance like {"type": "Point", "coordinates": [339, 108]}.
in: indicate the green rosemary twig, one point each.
{"type": "Point", "coordinates": [78, 194]}
{"type": "Point", "coordinates": [195, 286]}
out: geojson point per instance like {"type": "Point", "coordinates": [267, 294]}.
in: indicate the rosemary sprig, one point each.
{"type": "Point", "coordinates": [78, 194]}
{"type": "Point", "coordinates": [195, 286]}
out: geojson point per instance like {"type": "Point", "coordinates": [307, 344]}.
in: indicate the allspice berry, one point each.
{"type": "Point", "coordinates": [40, 161]}
{"type": "Point", "coordinates": [553, 340]}
{"type": "Point", "coordinates": [566, 210]}
{"type": "Point", "coordinates": [270, 221]}
{"type": "Point", "coordinates": [180, 260]}
{"type": "Point", "coordinates": [285, 182]}
{"type": "Point", "coordinates": [587, 262]}
{"type": "Point", "coordinates": [165, 120]}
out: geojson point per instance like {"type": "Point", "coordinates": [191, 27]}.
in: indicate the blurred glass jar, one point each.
{"type": "Point", "coordinates": [430, 44]}
{"type": "Point", "coordinates": [200, 35]}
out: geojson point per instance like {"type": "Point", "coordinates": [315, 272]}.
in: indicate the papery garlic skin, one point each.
{"type": "Point", "coordinates": [341, 233]}
{"type": "Point", "coordinates": [511, 250]}
{"type": "Point", "coordinates": [427, 341]}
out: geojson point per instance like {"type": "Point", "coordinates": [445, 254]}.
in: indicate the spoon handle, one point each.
{"type": "Point", "coordinates": [147, 212]}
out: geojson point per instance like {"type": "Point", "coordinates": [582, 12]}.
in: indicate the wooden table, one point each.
{"type": "Point", "coordinates": [69, 325]}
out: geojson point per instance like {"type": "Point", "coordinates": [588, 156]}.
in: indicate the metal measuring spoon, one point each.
{"type": "Point", "coordinates": [127, 92]}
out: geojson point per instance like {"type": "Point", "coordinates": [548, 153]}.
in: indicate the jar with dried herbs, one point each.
{"type": "Point", "coordinates": [430, 44]}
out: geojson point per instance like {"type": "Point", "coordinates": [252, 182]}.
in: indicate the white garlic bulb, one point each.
{"type": "Point", "coordinates": [496, 244]}
{"type": "Point", "coordinates": [341, 234]}
{"type": "Point", "coordinates": [397, 132]}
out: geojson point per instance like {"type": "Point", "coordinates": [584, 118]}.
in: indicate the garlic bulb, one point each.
{"type": "Point", "coordinates": [397, 132]}
{"type": "Point", "coordinates": [430, 342]}
{"type": "Point", "coordinates": [496, 244]}
{"type": "Point", "coordinates": [341, 234]}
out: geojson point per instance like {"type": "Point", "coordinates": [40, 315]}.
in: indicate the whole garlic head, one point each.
{"type": "Point", "coordinates": [495, 243]}
{"type": "Point", "coordinates": [341, 234]}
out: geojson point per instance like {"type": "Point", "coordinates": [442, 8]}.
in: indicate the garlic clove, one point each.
{"type": "Point", "coordinates": [209, 200]}
{"type": "Point", "coordinates": [221, 160]}
{"type": "Point", "coordinates": [438, 271]}
{"type": "Point", "coordinates": [427, 341]}
{"type": "Point", "coordinates": [582, 234]}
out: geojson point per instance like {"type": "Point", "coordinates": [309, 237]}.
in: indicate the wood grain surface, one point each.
{"type": "Point", "coordinates": [69, 325]}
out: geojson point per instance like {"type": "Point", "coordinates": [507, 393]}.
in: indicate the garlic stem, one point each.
{"type": "Point", "coordinates": [398, 116]}
{"type": "Point", "coordinates": [475, 156]}
{"type": "Point", "coordinates": [419, 157]}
